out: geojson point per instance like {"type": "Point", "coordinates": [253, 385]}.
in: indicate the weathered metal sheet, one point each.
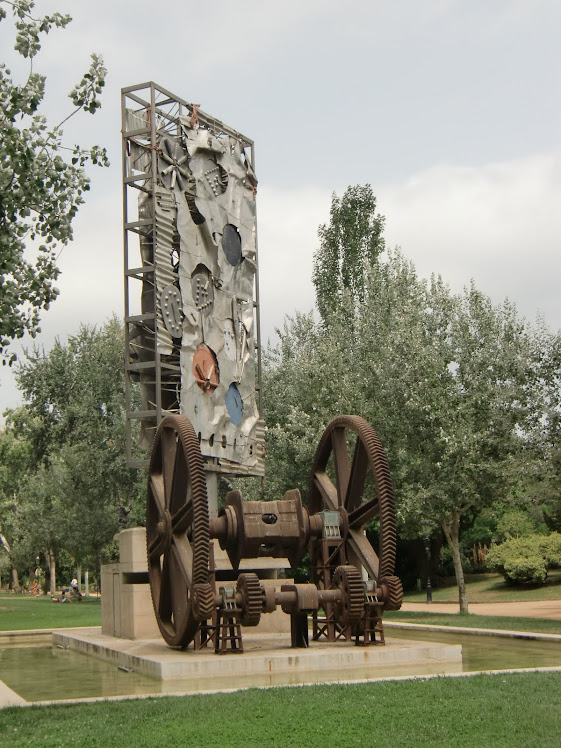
{"type": "Point", "coordinates": [219, 310]}
{"type": "Point", "coordinates": [204, 248]}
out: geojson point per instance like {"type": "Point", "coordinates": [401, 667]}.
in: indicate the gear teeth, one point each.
{"type": "Point", "coordinates": [201, 532]}
{"type": "Point", "coordinates": [395, 592]}
{"type": "Point", "coordinates": [203, 601]}
{"type": "Point", "coordinates": [249, 587]}
{"type": "Point", "coordinates": [348, 579]}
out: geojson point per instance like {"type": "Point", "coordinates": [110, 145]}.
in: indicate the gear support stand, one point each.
{"type": "Point", "coordinates": [228, 630]}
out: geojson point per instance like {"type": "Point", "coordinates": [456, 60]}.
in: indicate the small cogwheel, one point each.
{"type": "Point", "coordinates": [348, 579]}
{"type": "Point", "coordinates": [249, 587]}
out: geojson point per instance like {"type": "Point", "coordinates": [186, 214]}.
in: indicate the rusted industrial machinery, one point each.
{"type": "Point", "coordinates": [352, 583]}
{"type": "Point", "coordinates": [193, 391]}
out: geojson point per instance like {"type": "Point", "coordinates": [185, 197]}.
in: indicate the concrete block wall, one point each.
{"type": "Point", "coordinates": [126, 602]}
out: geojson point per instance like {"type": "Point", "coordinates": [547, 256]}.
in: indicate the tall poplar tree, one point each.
{"type": "Point", "coordinates": [350, 245]}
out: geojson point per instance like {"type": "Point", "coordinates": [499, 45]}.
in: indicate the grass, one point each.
{"type": "Point", "coordinates": [505, 623]}
{"type": "Point", "coordinates": [22, 612]}
{"type": "Point", "coordinates": [500, 710]}
{"type": "Point", "coordinates": [491, 588]}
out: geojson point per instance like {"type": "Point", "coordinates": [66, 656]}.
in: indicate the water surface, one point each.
{"type": "Point", "coordinates": [44, 673]}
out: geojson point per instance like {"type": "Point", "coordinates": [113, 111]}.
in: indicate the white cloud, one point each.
{"type": "Point", "coordinates": [499, 224]}
{"type": "Point", "coordinates": [288, 222]}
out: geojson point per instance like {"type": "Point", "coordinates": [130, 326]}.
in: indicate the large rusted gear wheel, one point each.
{"type": "Point", "coordinates": [249, 587]}
{"type": "Point", "coordinates": [391, 589]}
{"type": "Point", "coordinates": [177, 529]}
{"type": "Point", "coordinates": [349, 581]}
{"type": "Point", "coordinates": [350, 474]}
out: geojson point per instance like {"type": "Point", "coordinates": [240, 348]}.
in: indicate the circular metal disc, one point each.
{"type": "Point", "coordinates": [234, 404]}
{"type": "Point", "coordinates": [232, 244]}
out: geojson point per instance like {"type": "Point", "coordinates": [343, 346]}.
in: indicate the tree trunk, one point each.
{"type": "Point", "coordinates": [14, 576]}
{"type": "Point", "coordinates": [452, 531]}
{"type": "Point", "coordinates": [79, 575]}
{"type": "Point", "coordinates": [87, 582]}
{"type": "Point", "coordinates": [14, 579]}
{"type": "Point", "coordinates": [52, 571]}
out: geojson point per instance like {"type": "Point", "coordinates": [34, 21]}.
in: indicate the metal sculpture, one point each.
{"type": "Point", "coordinates": [193, 345]}
{"type": "Point", "coordinates": [179, 530]}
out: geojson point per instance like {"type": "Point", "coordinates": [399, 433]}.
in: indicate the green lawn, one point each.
{"type": "Point", "coordinates": [22, 612]}
{"type": "Point", "coordinates": [516, 710]}
{"type": "Point", "coordinates": [505, 623]}
{"type": "Point", "coordinates": [491, 588]}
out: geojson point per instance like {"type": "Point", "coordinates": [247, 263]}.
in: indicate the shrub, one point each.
{"type": "Point", "coordinates": [526, 569]}
{"type": "Point", "coordinates": [550, 546]}
{"type": "Point", "coordinates": [526, 559]}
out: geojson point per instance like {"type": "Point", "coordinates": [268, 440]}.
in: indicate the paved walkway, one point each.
{"type": "Point", "coordinates": [536, 609]}
{"type": "Point", "coordinates": [9, 697]}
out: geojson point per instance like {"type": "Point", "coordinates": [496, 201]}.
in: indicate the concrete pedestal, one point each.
{"type": "Point", "coordinates": [126, 602]}
{"type": "Point", "coordinates": [268, 660]}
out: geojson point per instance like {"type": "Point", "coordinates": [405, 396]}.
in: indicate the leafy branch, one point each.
{"type": "Point", "coordinates": [40, 191]}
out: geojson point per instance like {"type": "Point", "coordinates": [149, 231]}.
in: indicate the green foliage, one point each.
{"type": "Point", "coordinates": [4, 569]}
{"type": "Point", "coordinates": [456, 386]}
{"type": "Point", "coordinates": [40, 189]}
{"type": "Point", "coordinates": [446, 562]}
{"type": "Point", "coordinates": [526, 559]}
{"type": "Point", "coordinates": [525, 569]}
{"type": "Point", "coordinates": [543, 484]}
{"type": "Point", "coordinates": [550, 546]}
{"type": "Point", "coordinates": [350, 245]}
{"type": "Point", "coordinates": [439, 376]}
{"type": "Point", "coordinates": [514, 524]}
{"type": "Point", "coordinates": [68, 482]}
{"type": "Point", "coordinates": [480, 528]}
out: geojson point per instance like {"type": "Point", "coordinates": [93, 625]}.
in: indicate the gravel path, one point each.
{"type": "Point", "coordinates": [535, 609]}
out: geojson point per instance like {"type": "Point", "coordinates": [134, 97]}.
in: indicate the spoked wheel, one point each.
{"type": "Point", "coordinates": [351, 475]}
{"type": "Point", "coordinates": [177, 530]}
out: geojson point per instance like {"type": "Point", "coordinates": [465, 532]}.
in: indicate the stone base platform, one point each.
{"type": "Point", "coordinates": [268, 660]}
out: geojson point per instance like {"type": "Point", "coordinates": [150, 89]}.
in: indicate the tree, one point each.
{"type": "Point", "coordinates": [543, 477]}
{"type": "Point", "coordinates": [17, 458]}
{"type": "Point", "coordinates": [443, 379]}
{"type": "Point", "coordinates": [350, 245]}
{"type": "Point", "coordinates": [80, 491]}
{"type": "Point", "coordinates": [42, 182]}
{"type": "Point", "coordinates": [43, 520]}
{"type": "Point", "coordinates": [463, 454]}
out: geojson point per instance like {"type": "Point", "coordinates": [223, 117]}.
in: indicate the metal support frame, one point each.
{"type": "Point", "coordinates": [159, 111]}
{"type": "Point", "coordinates": [333, 554]}
{"type": "Point", "coordinates": [228, 637]}
{"type": "Point", "coordinates": [370, 630]}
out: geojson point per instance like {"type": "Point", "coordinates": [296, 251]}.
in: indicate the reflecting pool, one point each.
{"type": "Point", "coordinates": [44, 673]}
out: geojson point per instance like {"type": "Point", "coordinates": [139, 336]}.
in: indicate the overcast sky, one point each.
{"type": "Point", "coordinates": [450, 109]}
